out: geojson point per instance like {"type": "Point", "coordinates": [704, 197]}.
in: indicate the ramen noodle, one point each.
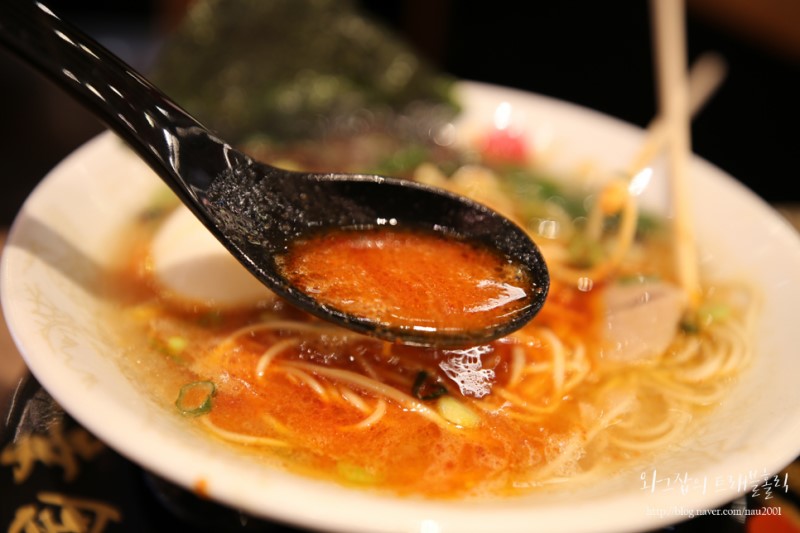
{"type": "Point", "coordinates": [617, 366]}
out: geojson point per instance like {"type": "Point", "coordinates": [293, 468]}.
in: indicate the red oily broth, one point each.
{"type": "Point", "coordinates": [327, 403]}
{"type": "Point", "coordinates": [407, 278]}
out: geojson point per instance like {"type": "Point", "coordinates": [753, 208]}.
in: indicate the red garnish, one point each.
{"type": "Point", "coordinates": [504, 146]}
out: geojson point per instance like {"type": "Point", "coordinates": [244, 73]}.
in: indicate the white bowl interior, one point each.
{"type": "Point", "coordinates": [64, 234]}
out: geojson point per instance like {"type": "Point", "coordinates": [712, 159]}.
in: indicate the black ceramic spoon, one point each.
{"type": "Point", "coordinates": [256, 210]}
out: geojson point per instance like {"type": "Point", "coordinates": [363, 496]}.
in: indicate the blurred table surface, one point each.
{"type": "Point", "coordinates": [12, 367]}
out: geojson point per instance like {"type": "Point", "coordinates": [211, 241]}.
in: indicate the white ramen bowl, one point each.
{"type": "Point", "coordinates": [64, 235]}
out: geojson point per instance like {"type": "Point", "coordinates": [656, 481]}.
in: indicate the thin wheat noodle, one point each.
{"type": "Point", "coordinates": [641, 442]}
{"type": "Point", "coordinates": [304, 377]}
{"type": "Point", "coordinates": [270, 353]}
{"type": "Point", "coordinates": [702, 395]}
{"type": "Point", "coordinates": [371, 385]}
{"type": "Point", "coordinates": [368, 368]}
{"type": "Point", "coordinates": [241, 438]}
{"type": "Point", "coordinates": [372, 419]}
{"type": "Point", "coordinates": [522, 403]}
{"type": "Point", "coordinates": [621, 244]}
{"type": "Point", "coordinates": [288, 325]}
{"type": "Point", "coordinates": [558, 359]}
{"type": "Point", "coordinates": [516, 366]}
{"type": "Point", "coordinates": [354, 399]}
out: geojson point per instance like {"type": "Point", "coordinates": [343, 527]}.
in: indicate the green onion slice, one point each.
{"type": "Point", "coordinates": [194, 399]}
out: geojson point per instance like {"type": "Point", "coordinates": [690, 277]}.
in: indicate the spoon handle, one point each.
{"type": "Point", "coordinates": [152, 124]}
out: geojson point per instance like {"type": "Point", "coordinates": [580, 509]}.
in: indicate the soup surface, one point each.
{"type": "Point", "coordinates": [409, 279]}
{"type": "Point", "coordinates": [615, 367]}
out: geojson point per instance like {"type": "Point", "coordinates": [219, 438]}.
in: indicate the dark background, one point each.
{"type": "Point", "coordinates": [596, 54]}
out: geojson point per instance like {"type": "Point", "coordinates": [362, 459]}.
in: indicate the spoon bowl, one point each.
{"type": "Point", "coordinates": [257, 211]}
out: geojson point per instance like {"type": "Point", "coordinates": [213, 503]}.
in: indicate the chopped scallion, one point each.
{"type": "Point", "coordinates": [704, 316]}
{"type": "Point", "coordinates": [194, 398]}
{"type": "Point", "coordinates": [713, 312]}
{"type": "Point", "coordinates": [356, 474]}
{"type": "Point", "coordinates": [456, 412]}
{"type": "Point", "coordinates": [176, 344]}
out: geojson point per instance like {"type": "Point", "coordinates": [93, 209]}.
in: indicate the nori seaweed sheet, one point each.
{"type": "Point", "coordinates": [288, 69]}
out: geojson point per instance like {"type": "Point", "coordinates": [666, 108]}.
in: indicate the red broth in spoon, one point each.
{"type": "Point", "coordinates": [405, 278]}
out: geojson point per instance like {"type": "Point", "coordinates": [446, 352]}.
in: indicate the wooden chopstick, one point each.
{"type": "Point", "coordinates": [669, 35]}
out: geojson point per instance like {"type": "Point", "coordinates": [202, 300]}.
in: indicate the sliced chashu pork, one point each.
{"type": "Point", "coordinates": [641, 319]}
